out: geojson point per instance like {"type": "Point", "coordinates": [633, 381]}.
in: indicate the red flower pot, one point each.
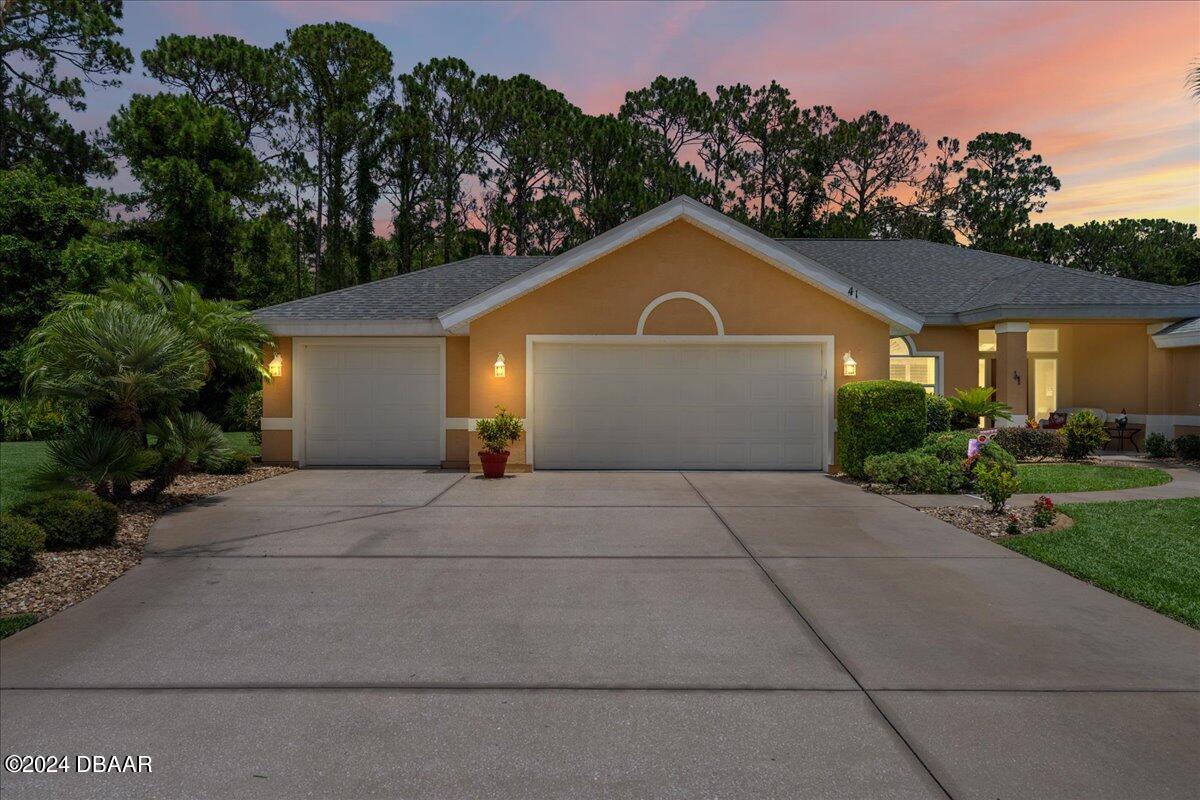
{"type": "Point", "coordinates": [493, 463]}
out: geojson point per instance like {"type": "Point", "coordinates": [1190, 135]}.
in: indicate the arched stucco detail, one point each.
{"type": "Point", "coordinates": [695, 298]}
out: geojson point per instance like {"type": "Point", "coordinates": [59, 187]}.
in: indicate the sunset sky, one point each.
{"type": "Point", "coordinates": [1100, 88]}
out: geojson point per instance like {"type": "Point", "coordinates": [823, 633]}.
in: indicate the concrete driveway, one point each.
{"type": "Point", "coordinates": [371, 633]}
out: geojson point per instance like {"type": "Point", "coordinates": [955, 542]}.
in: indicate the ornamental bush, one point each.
{"type": "Point", "coordinates": [1159, 446]}
{"type": "Point", "coordinates": [1031, 444]}
{"type": "Point", "coordinates": [937, 413]}
{"type": "Point", "coordinates": [1188, 447]}
{"type": "Point", "coordinates": [20, 539]}
{"type": "Point", "coordinates": [913, 471]}
{"type": "Point", "coordinates": [71, 520]}
{"type": "Point", "coordinates": [1084, 434]}
{"type": "Point", "coordinates": [235, 463]}
{"type": "Point", "coordinates": [875, 417]}
{"type": "Point", "coordinates": [500, 431]}
{"type": "Point", "coordinates": [996, 483]}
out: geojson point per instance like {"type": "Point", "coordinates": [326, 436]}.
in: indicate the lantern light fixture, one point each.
{"type": "Point", "coordinates": [499, 365]}
{"type": "Point", "coordinates": [275, 368]}
{"type": "Point", "coordinates": [849, 365]}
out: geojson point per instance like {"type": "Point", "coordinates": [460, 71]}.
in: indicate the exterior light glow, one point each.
{"type": "Point", "coordinates": [276, 366]}
{"type": "Point", "coordinates": [499, 366]}
{"type": "Point", "coordinates": [849, 365]}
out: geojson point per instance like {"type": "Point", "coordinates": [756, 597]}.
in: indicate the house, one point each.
{"type": "Point", "coordinates": [683, 338]}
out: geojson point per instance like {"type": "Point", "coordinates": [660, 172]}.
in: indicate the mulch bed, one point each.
{"type": "Point", "coordinates": [63, 578]}
{"type": "Point", "coordinates": [982, 522]}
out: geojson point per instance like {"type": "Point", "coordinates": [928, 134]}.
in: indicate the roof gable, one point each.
{"type": "Point", "coordinates": [777, 254]}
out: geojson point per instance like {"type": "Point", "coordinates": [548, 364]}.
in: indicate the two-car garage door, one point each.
{"type": "Point", "coordinates": [668, 406]}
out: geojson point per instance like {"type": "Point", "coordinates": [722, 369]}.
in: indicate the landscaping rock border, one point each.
{"type": "Point", "coordinates": [62, 579]}
{"type": "Point", "coordinates": [985, 524]}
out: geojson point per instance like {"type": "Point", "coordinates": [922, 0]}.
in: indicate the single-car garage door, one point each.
{"type": "Point", "coordinates": [678, 406]}
{"type": "Point", "coordinates": [373, 402]}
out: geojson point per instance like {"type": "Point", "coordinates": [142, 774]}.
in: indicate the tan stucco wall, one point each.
{"type": "Point", "coordinates": [608, 296]}
{"type": "Point", "coordinates": [680, 317]}
{"type": "Point", "coordinates": [277, 447]}
{"type": "Point", "coordinates": [277, 392]}
{"type": "Point", "coordinates": [959, 347]}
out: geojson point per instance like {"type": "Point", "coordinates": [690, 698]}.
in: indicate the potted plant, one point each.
{"type": "Point", "coordinates": [497, 434]}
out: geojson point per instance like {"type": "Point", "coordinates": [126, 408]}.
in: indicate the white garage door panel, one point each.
{"type": "Point", "coordinates": [373, 404]}
{"type": "Point", "coordinates": [678, 406]}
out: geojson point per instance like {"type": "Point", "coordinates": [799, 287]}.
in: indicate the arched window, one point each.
{"type": "Point", "coordinates": [908, 365]}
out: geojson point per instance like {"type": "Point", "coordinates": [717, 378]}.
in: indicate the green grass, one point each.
{"type": "Point", "coordinates": [1145, 550]}
{"type": "Point", "coordinates": [19, 459]}
{"type": "Point", "coordinates": [1046, 478]}
{"type": "Point", "coordinates": [15, 622]}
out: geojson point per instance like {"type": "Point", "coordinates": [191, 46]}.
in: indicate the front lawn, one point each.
{"type": "Point", "coordinates": [1145, 550]}
{"type": "Point", "coordinates": [1048, 478]}
{"type": "Point", "coordinates": [19, 459]}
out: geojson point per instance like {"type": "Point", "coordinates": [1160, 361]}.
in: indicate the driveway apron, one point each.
{"type": "Point", "coordinates": [421, 634]}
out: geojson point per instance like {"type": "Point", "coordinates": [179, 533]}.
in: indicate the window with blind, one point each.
{"type": "Point", "coordinates": [904, 366]}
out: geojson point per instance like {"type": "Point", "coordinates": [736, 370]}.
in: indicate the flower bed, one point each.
{"type": "Point", "coordinates": [982, 522]}
{"type": "Point", "coordinates": [61, 579]}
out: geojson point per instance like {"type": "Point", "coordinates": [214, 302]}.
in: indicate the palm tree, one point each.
{"type": "Point", "coordinates": [969, 405]}
{"type": "Point", "coordinates": [224, 329]}
{"type": "Point", "coordinates": [1193, 80]}
{"type": "Point", "coordinates": [107, 458]}
{"type": "Point", "coordinates": [125, 365]}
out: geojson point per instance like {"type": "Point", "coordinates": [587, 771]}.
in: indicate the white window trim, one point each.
{"type": "Point", "coordinates": [826, 371]}
{"type": "Point", "coordinates": [300, 346]}
{"type": "Point", "coordinates": [939, 359]}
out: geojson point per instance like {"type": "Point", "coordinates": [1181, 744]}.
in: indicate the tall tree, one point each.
{"type": "Point", "coordinates": [721, 140]}
{"type": "Point", "coordinates": [1156, 250]}
{"type": "Point", "coordinates": [446, 88]}
{"type": "Point", "coordinates": [608, 157]}
{"type": "Point", "coordinates": [528, 128]}
{"type": "Point", "coordinates": [797, 184]}
{"type": "Point", "coordinates": [342, 78]}
{"type": "Point", "coordinates": [769, 127]}
{"type": "Point", "coordinates": [1003, 184]}
{"type": "Point", "coordinates": [673, 108]}
{"type": "Point", "coordinates": [875, 156]}
{"type": "Point", "coordinates": [407, 179]}
{"type": "Point", "coordinates": [248, 82]}
{"type": "Point", "coordinates": [194, 173]}
{"type": "Point", "coordinates": [39, 40]}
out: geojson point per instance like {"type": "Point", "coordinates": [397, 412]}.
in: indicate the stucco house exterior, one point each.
{"type": "Point", "coordinates": [684, 339]}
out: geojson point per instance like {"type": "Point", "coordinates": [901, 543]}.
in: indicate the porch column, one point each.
{"type": "Point", "coordinates": [1012, 384]}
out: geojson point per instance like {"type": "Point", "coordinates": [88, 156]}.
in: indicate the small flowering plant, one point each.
{"type": "Point", "coordinates": [1043, 512]}
{"type": "Point", "coordinates": [1014, 526]}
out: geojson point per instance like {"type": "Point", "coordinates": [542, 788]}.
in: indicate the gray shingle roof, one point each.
{"type": "Point", "coordinates": [943, 283]}
{"type": "Point", "coordinates": [938, 279]}
{"type": "Point", "coordinates": [1183, 326]}
{"type": "Point", "coordinates": [415, 295]}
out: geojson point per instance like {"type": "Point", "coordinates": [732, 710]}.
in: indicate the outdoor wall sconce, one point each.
{"type": "Point", "coordinates": [849, 365]}
{"type": "Point", "coordinates": [275, 368]}
{"type": "Point", "coordinates": [499, 365]}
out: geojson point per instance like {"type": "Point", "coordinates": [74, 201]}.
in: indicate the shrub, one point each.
{"type": "Point", "coordinates": [1030, 444]}
{"type": "Point", "coordinates": [971, 404]}
{"type": "Point", "coordinates": [235, 463]}
{"type": "Point", "coordinates": [500, 431]}
{"type": "Point", "coordinates": [1188, 447]}
{"type": "Point", "coordinates": [951, 448]}
{"type": "Point", "coordinates": [914, 471]}
{"type": "Point", "coordinates": [37, 419]}
{"type": "Point", "coordinates": [244, 413]}
{"type": "Point", "coordinates": [948, 446]}
{"type": "Point", "coordinates": [937, 413]}
{"type": "Point", "coordinates": [1043, 512]}
{"type": "Point", "coordinates": [71, 520]}
{"type": "Point", "coordinates": [1159, 446]}
{"type": "Point", "coordinates": [875, 417]}
{"type": "Point", "coordinates": [996, 483]}
{"type": "Point", "coordinates": [1084, 433]}
{"type": "Point", "coordinates": [107, 458]}
{"type": "Point", "coordinates": [20, 539]}
{"type": "Point", "coordinates": [1013, 528]}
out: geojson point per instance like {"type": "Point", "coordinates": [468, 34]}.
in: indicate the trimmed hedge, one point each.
{"type": "Point", "coordinates": [914, 471]}
{"type": "Point", "coordinates": [1188, 446]}
{"type": "Point", "coordinates": [20, 539]}
{"type": "Point", "coordinates": [1030, 444]}
{"type": "Point", "coordinates": [71, 520]}
{"type": "Point", "coordinates": [875, 417]}
{"type": "Point", "coordinates": [937, 413]}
